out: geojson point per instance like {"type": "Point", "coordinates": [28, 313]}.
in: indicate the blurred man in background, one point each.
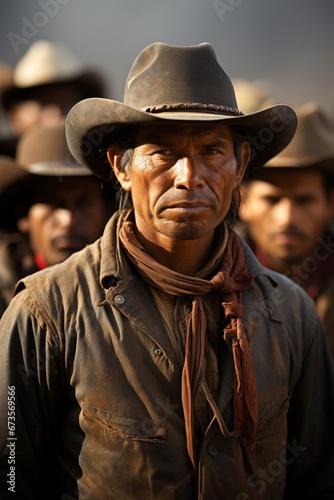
{"type": "Point", "coordinates": [287, 208]}
{"type": "Point", "coordinates": [150, 377]}
{"type": "Point", "coordinates": [46, 83]}
{"type": "Point", "coordinates": [50, 206]}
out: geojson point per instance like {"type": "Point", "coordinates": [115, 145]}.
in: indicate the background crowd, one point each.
{"type": "Point", "coordinates": [286, 211]}
{"type": "Point", "coordinates": [59, 203]}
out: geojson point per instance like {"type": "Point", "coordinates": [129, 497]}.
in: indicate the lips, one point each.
{"type": "Point", "coordinates": [72, 243]}
{"type": "Point", "coordinates": [288, 238]}
{"type": "Point", "coordinates": [188, 205]}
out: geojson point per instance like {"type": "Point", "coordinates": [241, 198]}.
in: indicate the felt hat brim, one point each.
{"type": "Point", "coordinates": [313, 143]}
{"type": "Point", "coordinates": [91, 124]}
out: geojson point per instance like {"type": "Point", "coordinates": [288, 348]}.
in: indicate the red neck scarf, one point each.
{"type": "Point", "coordinates": [40, 261]}
{"type": "Point", "coordinates": [231, 279]}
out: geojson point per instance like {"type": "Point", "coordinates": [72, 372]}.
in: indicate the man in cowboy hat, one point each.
{"type": "Point", "coordinates": [47, 81]}
{"type": "Point", "coordinates": [288, 207]}
{"type": "Point", "coordinates": [174, 365]}
{"type": "Point", "coordinates": [50, 206]}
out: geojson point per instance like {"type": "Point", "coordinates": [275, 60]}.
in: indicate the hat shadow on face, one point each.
{"type": "Point", "coordinates": [172, 84]}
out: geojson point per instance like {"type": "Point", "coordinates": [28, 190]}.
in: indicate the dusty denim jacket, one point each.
{"type": "Point", "coordinates": [98, 411]}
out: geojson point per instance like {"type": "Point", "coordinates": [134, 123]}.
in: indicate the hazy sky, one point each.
{"type": "Point", "coordinates": [288, 43]}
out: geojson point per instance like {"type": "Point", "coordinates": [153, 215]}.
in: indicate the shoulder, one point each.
{"type": "Point", "coordinates": [268, 279]}
{"type": "Point", "coordinates": [282, 301]}
{"type": "Point", "coordinates": [53, 289]}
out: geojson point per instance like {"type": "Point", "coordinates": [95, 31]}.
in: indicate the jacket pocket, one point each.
{"type": "Point", "coordinates": [125, 427]}
{"type": "Point", "coordinates": [271, 414]}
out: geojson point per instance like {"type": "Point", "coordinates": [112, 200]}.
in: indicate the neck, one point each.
{"type": "Point", "coordinates": [186, 257]}
{"type": "Point", "coordinates": [280, 266]}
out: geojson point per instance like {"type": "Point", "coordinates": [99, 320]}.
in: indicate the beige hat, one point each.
{"type": "Point", "coordinates": [253, 95]}
{"type": "Point", "coordinates": [50, 63]}
{"type": "Point", "coordinates": [41, 151]}
{"type": "Point", "coordinates": [46, 62]}
{"type": "Point", "coordinates": [313, 143]}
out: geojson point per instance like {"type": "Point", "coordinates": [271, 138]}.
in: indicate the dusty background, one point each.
{"type": "Point", "coordinates": [288, 43]}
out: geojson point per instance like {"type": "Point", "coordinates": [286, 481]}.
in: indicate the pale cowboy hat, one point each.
{"type": "Point", "coordinates": [253, 95]}
{"type": "Point", "coordinates": [168, 83]}
{"type": "Point", "coordinates": [48, 64]}
{"type": "Point", "coordinates": [42, 151]}
{"type": "Point", "coordinates": [313, 143]}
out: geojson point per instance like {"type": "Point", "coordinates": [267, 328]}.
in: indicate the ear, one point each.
{"type": "Point", "coordinates": [244, 159]}
{"type": "Point", "coordinates": [114, 158]}
{"type": "Point", "coordinates": [23, 225]}
{"type": "Point", "coordinates": [243, 212]}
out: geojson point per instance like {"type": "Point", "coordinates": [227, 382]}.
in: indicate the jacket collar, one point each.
{"type": "Point", "coordinates": [112, 271]}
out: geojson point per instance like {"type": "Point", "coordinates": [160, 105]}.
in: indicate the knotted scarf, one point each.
{"type": "Point", "coordinates": [230, 280]}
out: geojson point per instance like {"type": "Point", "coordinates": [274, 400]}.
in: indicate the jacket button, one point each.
{"type": "Point", "coordinates": [119, 299]}
{"type": "Point", "coordinates": [213, 451]}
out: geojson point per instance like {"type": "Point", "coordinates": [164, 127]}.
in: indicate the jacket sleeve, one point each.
{"type": "Point", "coordinates": [30, 391]}
{"type": "Point", "coordinates": [310, 445]}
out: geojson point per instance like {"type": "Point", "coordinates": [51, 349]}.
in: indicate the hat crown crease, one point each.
{"type": "Point", "coordinates": [164, 75]}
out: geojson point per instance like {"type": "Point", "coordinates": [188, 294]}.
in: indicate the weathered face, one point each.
{"type": "Point", "coordinates": [286, 210]}
{"type": "Point", "coordinates": [181, 179]}
{"type": "Point", "coordinates": [65, 216]}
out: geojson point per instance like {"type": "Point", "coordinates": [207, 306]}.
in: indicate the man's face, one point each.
{"type": "Point", "coordinates": [65, 216]}
{"type": "Point", "coordinates": [181, 179]}
{"type": "Point", "coordinates": [286, 210]}
{"type": "Point", "coordinates": [46, 106]}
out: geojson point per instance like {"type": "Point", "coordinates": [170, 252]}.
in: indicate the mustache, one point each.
{"type": "Point", "coordinates": [186, 198]}
{"type": "Point", "coordinates": [292, 231]}
{"type": "Point", "coordinates": [77, 237]}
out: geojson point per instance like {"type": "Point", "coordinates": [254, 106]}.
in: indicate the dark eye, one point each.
{"type": "Point", "coordinates": [211, 151]}
{"type": "Point", "coordinates": [163, 152]}
{"type": "Point", "coordinates": [271, 200]}
{"type": "Point", "coordinates": [305, 199]}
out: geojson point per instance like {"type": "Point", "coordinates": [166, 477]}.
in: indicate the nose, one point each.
{"type": "Point", "coordinates": [188, 174]}
{"type": "Point", "coordinates": [286, 213]}
{"type": "Point", "coordinates": [65, 217]}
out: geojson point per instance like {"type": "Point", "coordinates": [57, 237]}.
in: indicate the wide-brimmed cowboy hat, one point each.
{"type": "Point", "coordinates": [47, 65]}
{"type": "Point", "coordinates": [313, 143]}
{"type": "Point", "coordinates": [168, 83]}
{"type": "Point", "coordinates": [42, 151]}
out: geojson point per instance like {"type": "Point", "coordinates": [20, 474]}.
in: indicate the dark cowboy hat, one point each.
{"type": "Point", "coordinates": [312, 144]}
{"type": "Point", "coordinates": [46, 66]}
{"type": "Point", "coordinates": [174, 83]}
